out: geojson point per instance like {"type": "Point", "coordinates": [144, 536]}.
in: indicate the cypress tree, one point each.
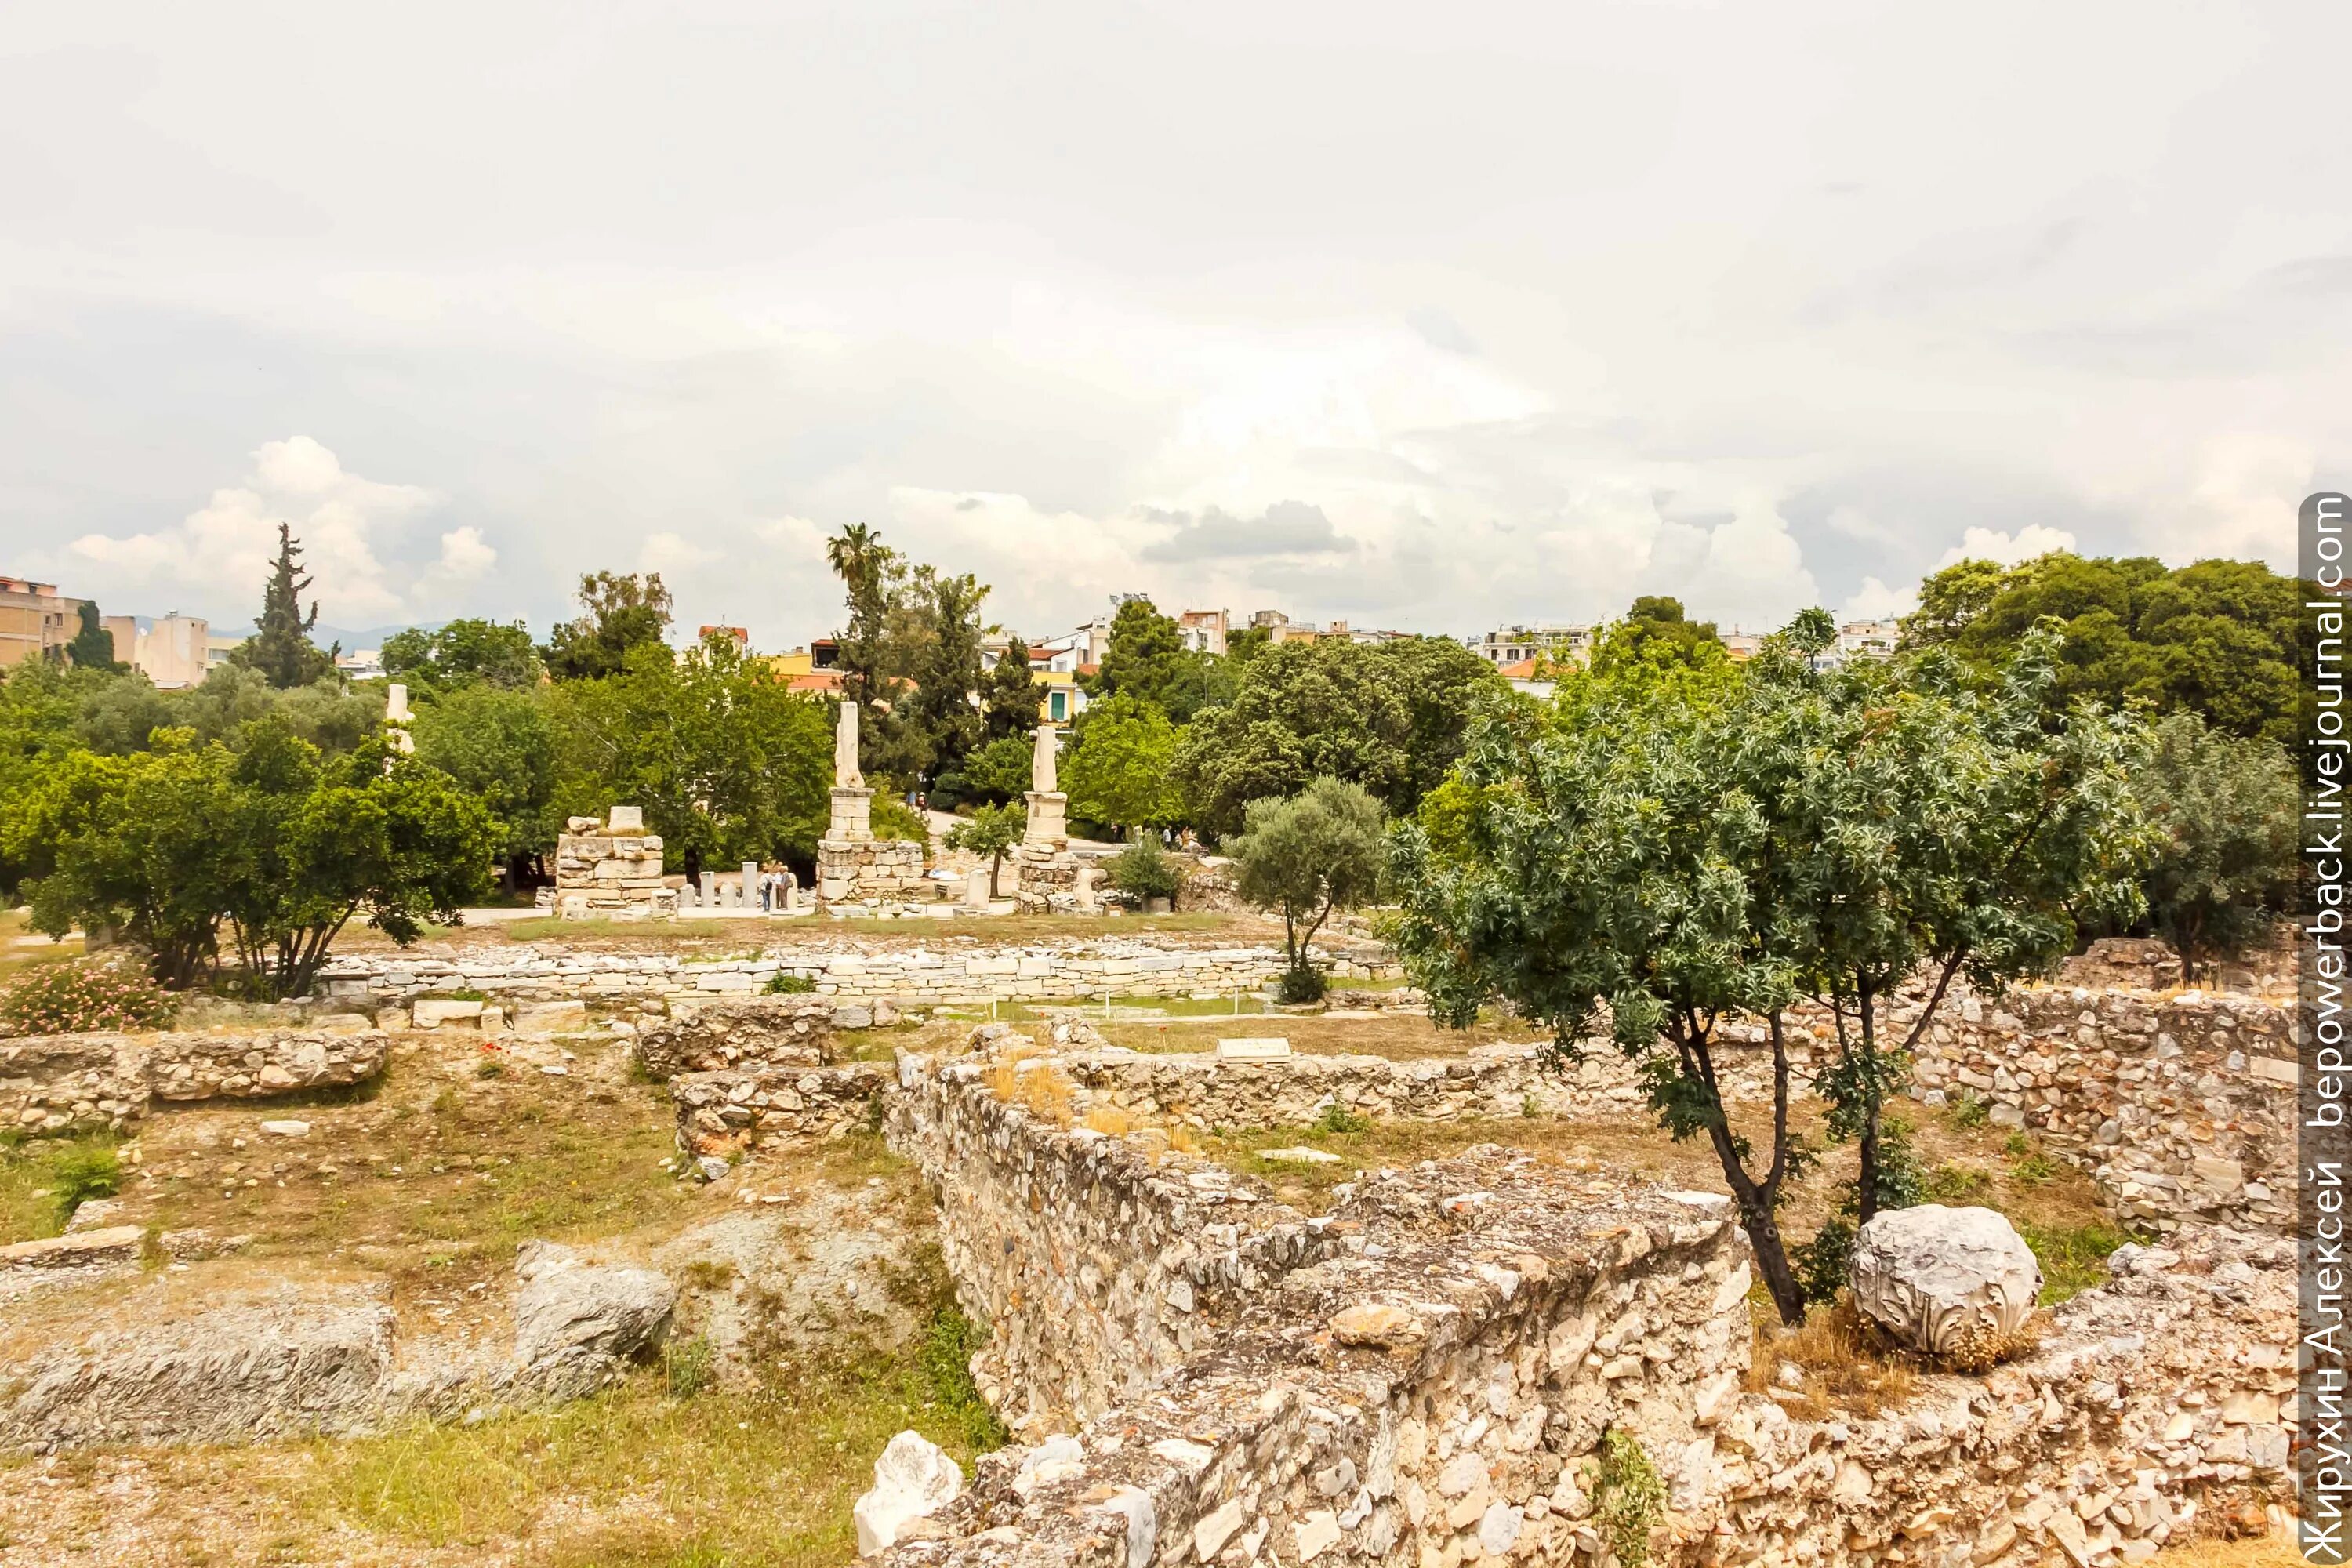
{"type": "Point", "coordinates": [281, 648]}
{"type": "Point", "coordinates": [91, 648]}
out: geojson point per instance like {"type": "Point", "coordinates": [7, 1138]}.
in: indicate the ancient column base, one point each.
{"type": "Point", "coordinates": [1044, 869]}
{"type": "Point", "coordinates": [852, 819]}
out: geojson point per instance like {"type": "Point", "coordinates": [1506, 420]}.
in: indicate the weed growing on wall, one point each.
{"type": "Point", "coordinates": [1629, 1499]}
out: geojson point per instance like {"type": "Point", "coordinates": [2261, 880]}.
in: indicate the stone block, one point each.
{"type": "Point", "coordinates": [431, 1012]}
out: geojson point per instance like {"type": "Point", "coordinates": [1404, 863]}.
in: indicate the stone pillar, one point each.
{"type": "Point", "coordinates": [852, 818]}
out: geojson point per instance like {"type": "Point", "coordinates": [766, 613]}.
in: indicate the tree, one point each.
{"type": "Point", "coordinates": [2225, 811]}
{"type": "Point", "coordinates": [1146, 659]}
{"type": "Point", "coordinates": [619, 615]}
{"type": "Point", "coordinates": [728, 763]}
{"type": "Point", "coordinates": [1008, 696]}
{"type": "Point", "coordinates": [1389, 717]}
{"type": "Point", "coordinates": [463, 652]}
{"type": "Point", "coordinates": [264, 839]}
{"type": "Point", "coordinates": [281, 648]}
{"type": "Point", "coordinates": [373, 833]}
{"type": "Point", "coordinates": [946, 667]}
{"type": "Point", "coordinates": [992, 831]}
{"type": "Point", "coordinates": [1320, 850]}
{"type": "Point", "coordinates": [1673, 866]}
{"type": "Point", "coordinates": [1657, 635]}
{"type": "Point", "coordinates": [2218, 639]}
{"type": "Point", "coordinates": [500, 747]}
{"type": "Point", "coordinates": [1117, 767]}
{"type": "Point", "coordinates": [1923, 827]}
{"type": "Point", "coordinates": [92, 647]}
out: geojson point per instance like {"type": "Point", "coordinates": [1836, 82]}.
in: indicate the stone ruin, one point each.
{"type": "Point", "coordinates": [853, 867]}
{"type": "Point", "coordinates": [611, 869]}
{"type": "Point", "coordinates": [1047, 877]}
{"type": "Point", "coordinates": [1426, 1375]}
{"type": "Point", "coordinates": [1433, 1372]}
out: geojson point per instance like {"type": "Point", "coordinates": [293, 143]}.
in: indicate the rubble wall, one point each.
{"type": "Point", "coordinates": [1492, 1082]}
{"type": "Point", "coordinates": [63, 1083]}
{"type": "Point", "coordinates": [1036, 973]}
{"type": "Point", "coordinates": [737, 1032]}
{"type": "Point", "coordinates": [721, 1112]}
{"type": "Point", "coordinates": [1424, 1375]}
{"type": "Point", "coordinates": [2181, 1109]}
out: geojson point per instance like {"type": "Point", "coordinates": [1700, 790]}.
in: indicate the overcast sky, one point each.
{"type": "Point", "coordinates": [1435, 317]}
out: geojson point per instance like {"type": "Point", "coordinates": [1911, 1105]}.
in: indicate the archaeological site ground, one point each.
{"type": "Point", "coordinates": [640, 1244]}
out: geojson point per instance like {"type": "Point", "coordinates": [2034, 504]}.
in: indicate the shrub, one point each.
{"type": "Point", "coordinates": [1145, 870]}
{"type": "Point", "coordinates": [1966, 1112]}
{"type": "Point", "coordinates": [894, 818]}
{"type": "Point", "coordinates": [83, 1175]}
{"type": "Point", "coordinates": [1302, 985]}
{"type": "Point", "coordinates": [781, 984]}
{"type": "Point", "coordinates": [1961, 1184]}
{"type": "Point", "coordinates": [76, 998]}
{"type": "Point", "coordinates": [1629, 1499]}
{"type": "Point", "coordinates": [1338, 1118]}
{"type": "Point", "coordinates": [1824, 1263]}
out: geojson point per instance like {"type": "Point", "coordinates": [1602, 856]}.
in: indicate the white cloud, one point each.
{"type": "Point", "coordinates": [2007, 549]}
{"type": "Point", "coordinates": [1874, 601]}
{"type": "Point", "coordinates": [220, 553]}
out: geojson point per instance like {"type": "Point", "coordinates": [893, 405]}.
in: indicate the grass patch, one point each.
{"type": "Point", "coordinates": [1845, 1366]}
{"type": "Point", "coordinates": [42, 1180]}
{"type": "Point", "coordinates": [744, 1478]}
{"type": "Point", "coordinates": [2072, 1258]}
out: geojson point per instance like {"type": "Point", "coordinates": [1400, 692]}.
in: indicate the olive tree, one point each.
{"type": "Point", "coordinates": [1320, 850]}
{"type": "Point", "coordinates": [992, 831]}
{"type": "Point", "coordinates": [2225, 812]}
{"type": "Point", "coordinates": [1671, 866]}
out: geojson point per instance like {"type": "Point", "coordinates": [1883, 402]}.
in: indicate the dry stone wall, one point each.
{"type": "Point", "coordinates": [1033, 972]}
{"type": "Point", "coordinates": [721, 1113]}
{"type": "Point", "coordinates": [2181, 1108]}
{"type": "Point", "coordinates": [64, 1083]}
{"type": "Point", "coordinates": [1424, 1375]}
{"type": "Point", "coordinates": [724, 1036]}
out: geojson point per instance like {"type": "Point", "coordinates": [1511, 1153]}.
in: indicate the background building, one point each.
{"type": "Point", "coordinates": [34, 619]}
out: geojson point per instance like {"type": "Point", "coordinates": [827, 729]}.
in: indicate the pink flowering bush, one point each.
{"type": "Point", "coordinates": [77, 998]}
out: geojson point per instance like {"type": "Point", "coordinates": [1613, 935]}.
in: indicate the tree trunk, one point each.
{"type": "Point", "coordinates": [995, 864]}
{"type": "Point", "coordinates": [1772, 1263]}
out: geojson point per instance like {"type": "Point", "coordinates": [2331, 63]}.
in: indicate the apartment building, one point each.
{"type": "Point", "coordinates": [34, 619]}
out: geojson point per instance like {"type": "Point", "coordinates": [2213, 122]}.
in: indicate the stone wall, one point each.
{"type": "Point", "coordinates": [1030, 972]}
{"type": "Point", "coordinates": [610, 870]}
{"type": "Point", "coordinates": [65, 1083]}
{"type": "Point", "coordinates": [734, 1034]}
{"type": "Point", "coordinates": [745, 1109]}
{"type": "Point", "coordinates": [2181, 1109]}
{"type": "Point", "coordinates": [1424, 1375]}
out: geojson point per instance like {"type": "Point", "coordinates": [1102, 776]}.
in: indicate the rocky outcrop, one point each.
{"type": "Point", "coordinates": [64, 1083]}
{"type": "Point", "coordinates": [179, 1362]}
{"type": "Point", "coordinates": [1954, 1283]}
{"type": "Point", "coordinates": [764, 1031]}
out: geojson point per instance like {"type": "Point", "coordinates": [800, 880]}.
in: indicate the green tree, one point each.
{"type": "Point", "coordinates": [500, 747]}
{"type": "Point", "coordinates": [1924, 826]}
{"type": "Point", "coordinates": [1146, 659]}
{"type": "Point", "coordinates": [1118, 766]}
{"type": "Point", "coordinates": [264, 839]}
{"type": "Point", "coordinates": [1322, 849]}
{"type": "Point", "coordinates": [992, 831]}
{"type": "Point", "coordinates": [463, 652]}
{"type": "Point", "coordinates": [142, 845]}
{"type": "Point", "coordinates": [281, 648]}
{"type": "Point", "coordinates": [372, 834]}
{"type": "Point", "coordinates": [2225, 812]}
{"type": "Point", "coordinates": [1009, 696]}
{"type": "Point", "coordinates": [2218, 638]}
{"type": "Point", "coordinates": [1655, 635]}
{"type": "Point", "coordinates": [92, 647]}
{"type": "Point", "coordinates": [945, 665]}
{"type": "Point", "coordinates": [728, 763]}
{"type": "Point", "coordinates": [1389, 717]}
{"type": "Point", "coordinates": [619, 615]}
{"type": "Point", "coordinates": [1824, 835]}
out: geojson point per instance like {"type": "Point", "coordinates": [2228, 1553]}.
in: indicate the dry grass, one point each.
{"type": "Point", "coordinates": [1846, 1366]}
{"type": "Point", "coordinates": [1110, 1120]}
{"type": "Point", "coordinates": [2263, 1551]}
{"type": "Point", "coordinates": [1018, 1076]}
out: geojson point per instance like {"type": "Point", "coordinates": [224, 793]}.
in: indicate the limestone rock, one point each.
{"type": "Point", "coordinates": [1377, 1325]}
{"type": "Point", "coordinates": [574, 1320]}
{"type": "Point", "coordinates": [913, 1478]}
{"type": "Point", "coordinates": [1953, 1282]}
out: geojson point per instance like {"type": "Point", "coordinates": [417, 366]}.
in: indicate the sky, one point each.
{"type": "Point", "coordinates": [1434, 318]}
